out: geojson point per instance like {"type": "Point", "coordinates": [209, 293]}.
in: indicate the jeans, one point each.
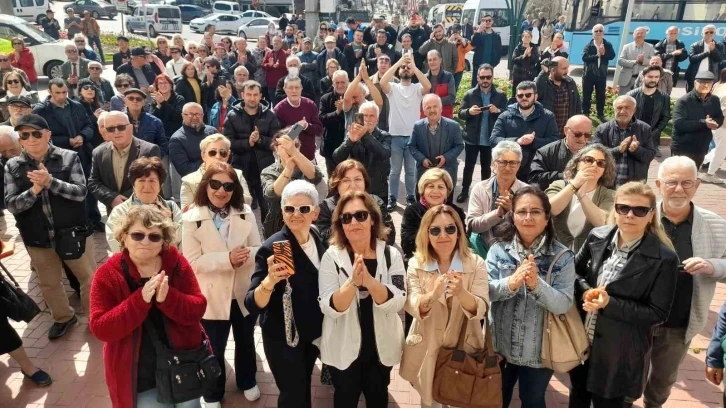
{"type": "Point", "coordinates": [485, 160]}
{"type": "Point", "coordinates": [94, 39]}
{"type": "Point", "coordinates": [532, 384]}
{"type": "Point", "coordinates": [401, 156]}
{"type": "Point", "coordinates": [147, 399]}
{"type": "Point", "coordinates": [245, 360]}
{"type": "Point", "coordinates": [365, 375]}
{"type": "Point", "coordinates": [669, 350]}
{"type": "Point", "coordinates": [599, 85]}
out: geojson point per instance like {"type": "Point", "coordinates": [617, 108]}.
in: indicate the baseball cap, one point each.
{"type": "Point", "coordinates": [330, 38]}
{"type": "Point", "coordinates": [32, 120]}
{"type": "Point", "coordinates": [307, 40]}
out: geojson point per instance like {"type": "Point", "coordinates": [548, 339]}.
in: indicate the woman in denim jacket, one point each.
{"type": "Point", "coordinates": [518, 263]}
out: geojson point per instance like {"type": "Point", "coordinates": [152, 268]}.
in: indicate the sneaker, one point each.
{"type": "Point", "coordinates": [59, 329]}
{"type": "Point", "coordinates": [711, 178]}
{"type": "Point", "coordinates": [254, 204]}
{"type": "Point", "coordinates": [253, 394]}
{"type": "Point", "coordinates": [391, 204]}
{"type": "Point", "coordinates": [40, 378]}
{"type": "Point", "coordinates": [213, 405]}
{"type": "Point", "coordinates": [411, 200]}
{"type": "Point", "coordinates": [462, 197]}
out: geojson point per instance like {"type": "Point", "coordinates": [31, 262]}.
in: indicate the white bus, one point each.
{"type": "Point", "coordinates": [446, 14]}
{"type": "Point", "coordinates": [474, 10]}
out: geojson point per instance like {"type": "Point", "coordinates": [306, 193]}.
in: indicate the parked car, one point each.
{"type": "Point", "coordinates": [159, 18]}
{"type": "Point", "coordinates": [30, 10]}
{"type": "Point", "coordinates": [250, 15]}
{"type": "Point", "coordinates": [97, 8]}
{"type": "Point", "coordinates": [226, 7]}
{"type": "Point", "coordinates": [190, 12]}
{"type": "Point", "coordinates": [49, 53]}
{"type": "Point", "coordinates": [225, 23]}
{"type": "Point", "coordinates": [256, 27]}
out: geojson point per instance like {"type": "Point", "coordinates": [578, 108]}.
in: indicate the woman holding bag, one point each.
{"type": "Point", "coordinates": [220, 241]}
{"type": "Point", "coordinates": [447, 288]}
{"type": "Point", "coordinates": [626, 279]}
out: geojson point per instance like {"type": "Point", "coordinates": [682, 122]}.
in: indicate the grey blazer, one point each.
{"type": "Point", "coordinates": [102, 182]}
{"type": "Point", "coordinates": [627, 60]}
{"type": "Point", "coordinates": [66, 69]}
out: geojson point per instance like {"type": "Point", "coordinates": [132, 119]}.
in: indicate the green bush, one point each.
{"type": "Point", "coordinates": [110, 44]}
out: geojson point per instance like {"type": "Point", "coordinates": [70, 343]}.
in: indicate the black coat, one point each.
{"type": "Point", "coordinates": [418, 37]}
{"type": "Point", "coordinates": [696, 54]}
{"type": "Point", "coordinates": [374, 152]}
{"type": "Point", "coordinates": [590, 57]}
{"type": "Point", "coordinates": [411, 222]}
{"type": "Point", "coordinates": [351, 62]}
{"type": "Point", "coordinates": [308, 90]}
{"type": "Point", "coordinates": [372, 59]}
{"type": "Point", "coordinates": [238, 127]}
{"type": "Point", "coordinates": [333, 123]}
{"type": "Point", "coordinates": [660, 50]}
{"type": "Point", "coordinates": [661, 110]}
{"type": "Point", "coordinates": [472, 128]}
{"type": "Point", "coordinates": [304, 283]}
{"type": "Point", "coordinates": [170, 112]}
{"type": "Point", "coordinates": [61, 136]}
{"type": "Point", "coordinates": [148, 71]}
{"type": "Point", "coordinates": [184, 88]}
{"type": "Point", "coordinates": [690, 133]}
{"type": "Point", "coordinates": [609, 135]}
{"type": "Point", "coordinates": [325, 218]}
{"type": "Point", "coordinates": [369, 35]}
{"type": "Point", "coordinates": [525, 68]}
{"type": "Point", "coordinates": [546, 93]}
{"type": "Point", "coordinates": [640, 299]}
{"type": "Point", "coordinates": [118, 59]}
{"type": "Point", "coordinates": [549, 163]}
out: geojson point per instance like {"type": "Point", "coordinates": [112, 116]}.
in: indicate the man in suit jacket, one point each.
{"type": "Point", "coordinates": [633, 58]}
{"type": "Point", "coordinates": [436, 141]}
{"type": "Point", "coordinates": [109, 181]}
{"type": "Point", "coordinates": [704, 55]}
{"type": "Point", "coordinates": [74, 69]}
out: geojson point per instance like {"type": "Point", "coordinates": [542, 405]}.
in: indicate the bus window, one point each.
{"type": "Point", "coordinates": [469, 14]}
{"type": "Point", "coordinates": [611, 11]}
{"type": "Point", "coordinates": [499, 17]}
{"type": "Point", "coordinates": [655, 11]}
{"type": "Point", "coordinates": [704, 11]}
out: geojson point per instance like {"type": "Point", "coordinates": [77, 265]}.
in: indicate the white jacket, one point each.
{"type": "Point", "coordinates": [174, 69]}
{"type": "Point", "coordinates": [341, 340]}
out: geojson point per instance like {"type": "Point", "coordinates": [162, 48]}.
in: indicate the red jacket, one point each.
{"type": "Point", "coordinates": [26, 63]}
{"type": "Point", "coordinates": [268, 64]}
{"type": "Point", "coordinates": [117, 316]}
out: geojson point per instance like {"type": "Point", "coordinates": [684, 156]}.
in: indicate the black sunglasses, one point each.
{"type": "Point", "coordinates": [88, 87]}
{"type": "Point", "coordinates": [580, 134]}
{"type": "Point", "coordinates": [13, 81]}
{"type": "Point", "coordinates": [26, 135]}
{"type": "Point", "coordinates": [216, 185]}
{"type": "Point", "coordinates": [525, 95]}
{"type": "Point", "coordinates": [486, 76]}
{"type": "Point", "coordinates": [303, 209]}
{"type": "Point", "coordinates": [638, 211]}
{"type": "Point", "coordinates": [94, 68]}
{"type": "Point", "coordinates": [112, 129]}
{"type": "Point", "coordinates": [139, 236]}
{"type": "Point", "coordinates": [360, 216]}
{"type": "Point", "coordinates": [134, 98]}
{"type": "Point", "coordinates": [449, 230]}
{"type": "Point", "coordinates": [590, 160]}
{"type": "Point", "coordinates": [4, 59]}
{"type": "Point", "coordinates": [222, 153]}
{"type": "Point", "coordinates": [119, 86]}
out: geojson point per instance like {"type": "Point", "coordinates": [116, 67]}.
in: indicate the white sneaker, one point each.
{"type": "Point", "coordinates": [253, 394]}
{"type": "Point", "coordinates": [711, 178]}
{"type": "Point", "coordinates": [213, 405]}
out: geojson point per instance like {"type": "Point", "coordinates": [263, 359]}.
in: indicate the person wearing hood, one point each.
{"type": "Point", "coordinates": [250, 125]}
{"type": "Point", "coordinates": [439, 42]}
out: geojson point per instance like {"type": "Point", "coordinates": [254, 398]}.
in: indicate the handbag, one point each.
{"type": "Point", "coordinates": [70, 243]}
{"type": "Point", "coordinates": [478, 244]}
{"type": "Point", "coordinates": [15, 303]}
{"type": "Point", "coordinates": [564, 342]}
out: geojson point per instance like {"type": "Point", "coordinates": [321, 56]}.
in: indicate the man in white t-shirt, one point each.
{"type": "Point", "coordinates": [405, 106]}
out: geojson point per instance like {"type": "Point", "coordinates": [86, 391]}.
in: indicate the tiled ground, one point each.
{"type": "Point", "coordinates": [76, 365]}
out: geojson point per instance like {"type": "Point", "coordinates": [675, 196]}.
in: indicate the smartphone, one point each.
{"type": "Point", "coordinates": [681, 268]}
{"type": "Point", "coordinates": [359, 119]}
{"type": "Point", "coordinates": [485, 107]}
{"type": "Point", "coordinates": [295, 131]}
{"type": "Point", "coordinates": [283, 254]}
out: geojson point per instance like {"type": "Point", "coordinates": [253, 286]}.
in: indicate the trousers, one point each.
{"type": "Point", "coordinates": [292, 368]}
{"type": "Point", "coordinates": [484, 153]}
{"type": "Point", "coordinates": [587, 86]}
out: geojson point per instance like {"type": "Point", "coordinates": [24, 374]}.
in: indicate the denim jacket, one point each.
{"type": "Point", "coordinates": [517, 316]}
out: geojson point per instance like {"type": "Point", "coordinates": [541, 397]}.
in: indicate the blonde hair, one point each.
{"type": "Point", "coordinates": [433, 175]}
{"type": "Point", "coordinates": [150, 216]}
{"type": "Point", "coordinates": [212, 139]}
{"type": "Point", "coordinates": [425, 252]}
{"type": "Point", "coordinates": [655, 227]}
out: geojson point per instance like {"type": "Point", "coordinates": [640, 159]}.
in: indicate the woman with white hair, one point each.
{"type": "Point", "coordinates": [284, 293]}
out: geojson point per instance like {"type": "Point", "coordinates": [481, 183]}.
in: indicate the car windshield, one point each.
{"type": "Point", "coordinates": [31, 30]}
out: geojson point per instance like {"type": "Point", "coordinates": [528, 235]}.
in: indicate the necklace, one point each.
{"type": "Point", "coordinates": [153, 270]}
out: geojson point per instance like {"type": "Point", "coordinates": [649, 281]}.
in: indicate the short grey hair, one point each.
{"type": "Point", "coordinates": [369, 105]}
{"type": "Point", "coordinates": [671, 28]}
{"type": "Point", "coordinates": [707, 27]}
{"type": "Point", "coordinates": [506, 146]}
{"type": "Point", "coordinates": [240, 69]}
{"type": "Point", "coordinates": [191, 44]}
{"type": "Point", "coordinates": [95, 63]}
{"type": "Point", "coordinates": [622, 98]}
{"type": "Point", "coordinates": [110, 114]}
{"type": "Point", "coordinates": [433, 52]}
{"type": "Point", "coordinates": [300, 187]}
{"type": "Point", "coordinates": [191, 105]}
{"type": "Point", "coordinates": [598, 26]}
{"type": "Point", "coordinates": [339, 73]}
{"type": "Point", "coordinates": [363, 88]}
{"type": "Point", "coordinates": [682, 162]}
{"type": "Point", "coordinates": [292, 58]}
{"type": "Point", "coordinates": [289, 79]}
{"type": "Point", "coordinates": [213, 139]}
{"type": "Point", "coordinates": [9, 131]}
{"type": "Point", "coordinates": [427, 97]}
{"type": "Point", "coordinates": [640, 29]}
{"type": "Point", "coordinates": [80, 36]}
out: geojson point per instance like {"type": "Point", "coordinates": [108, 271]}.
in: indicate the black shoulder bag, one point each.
{"type": "Point", "coordinates": [70, 243]}
{"type": "Point", "coordinates": [181, 375]}
{"type": "Point", "coordinates": [15, 303]}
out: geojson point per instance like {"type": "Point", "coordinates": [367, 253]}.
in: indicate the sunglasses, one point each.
{"type": "Point", "coordinates": [134, 98]}
{"type": "Point", "coordinates": [578, 135]}
{"type": "Point", "coordinates": [140, 236]}
{"type": "Point", "coordinates": [113, 129]}
{"type": "Point", "coordinates": [525, 95]}
{"type": "Point", "coordinates": [176, 52]}
{"type": "Point", "coordinates": [13, 81]}
{"type": "Point", "coordinates": [94, 68]}
{"type": "Point", "coordinates": [598, 31]}
{"type": "Point", "coordinates": [26, 135]}
{"type": "Point", "coordinates": [71, 51]}
{"type": "Point", "coordinates": [222, 153]}
{"type": "Point", "coordinates": [303, 209]}
{"type": "Point", "coordinates": [591, 160]}
{"type": "Point", "coordinates": [17, 43]}
{"type": "Point", "coordinates": [216, 184]}
{"type": "Point", "coordinates": [360, 216]}
{"type": "Point", "coordinates": [710, 32]}
{"type": "Point", "coordinates": [80, 42]}
{"type": "Point", "coordinates": [449, 230]}
{"type": "Point", "coordinates": [4, 59]}
{"type": "Point", "coordinates": [638, 211]}
{"type": "Point", "coordinates": [119, 86]}
{"type": "Point", "coordinates": [88, 87]}
{"type": "Point", "coordinates": [486, 77]}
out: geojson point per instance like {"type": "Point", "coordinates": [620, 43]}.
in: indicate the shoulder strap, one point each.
{"type": "Point", "coordinates": [557, 257]}
{"type": "Point", "coordinates": [387, 254]}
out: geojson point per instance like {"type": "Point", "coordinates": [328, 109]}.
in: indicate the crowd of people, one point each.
{"type": "Point", "coordinates": [193, 141]}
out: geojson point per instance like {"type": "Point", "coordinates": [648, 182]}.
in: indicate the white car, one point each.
{"type": "Point", "coordinates": [250, 15]}
{"type": "Point", "coordinates": [256, 27]}
{"type": "Point", "coordinates": [225, 23]}
{"type": "Point", "coordinates": [49, 53]}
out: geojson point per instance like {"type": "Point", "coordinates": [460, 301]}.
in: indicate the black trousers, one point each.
{"type": "Point", "coordinates": [581, 397]}
{"type": "Point", "coordinates": [245, 360]}
{"type": "Point", "coordinates": [696, 157]}
{"type": "Point", "coordinates": [255, 185]}
{"type": "Point", "coordinates": [330, 166]}
{"type": "Point", "coordinates": [9, 339]}
{"type": "Point", "coordinates": [292, 368]}
{"type": "Point", "coordinates": [485, 160]}
{"type": "Point", "coordinates": [365, 375]}
{"type": "Point", "coordinates": [587, 85]}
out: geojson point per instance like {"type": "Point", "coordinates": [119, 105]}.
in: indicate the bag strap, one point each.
{"type": "Point", "coordinates": [548, 278]}
{"type": "Point", "coordinates": [9, 276]}
{"type": "Point", "coordinates": [387, 255]}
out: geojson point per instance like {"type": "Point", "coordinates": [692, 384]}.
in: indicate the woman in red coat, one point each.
{"type": "Point", "coordinates": [23, 58]}
{"type": "Point", "coordinates": [149, 280]}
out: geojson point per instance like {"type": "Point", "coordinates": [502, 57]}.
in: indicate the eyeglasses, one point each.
{"type": "Point", "coordinates": [303, 209]}
{"type": "Point", "coordinates": [134, 98]}
{"type": "Point", "coordinates": [120, 86]}
{"type": "Point", "coordinates": [525, 95]}
{"type": "Point", "coordinates": [598, 31]}
{"type": "Point", "coordinates": [673, 184]}
{"type": "Point", "coordinates": [192, 115]}
{"type": "Point", "coordinates": [535, 213]}
{"type": "Point", "coordinates": [222, 153]}
{"type": "Point", "coordinates": [26, 135]}
{"type": "Point", "coordinates": [13, 81]}
{"type": "Point", "coordinates": [88, 87]}
{"type": "Point", "coordinates": [175, 52]}
{"type": "Point", "coordinates": [113, 129]}
{"type": "Point", "coordinates": [360, 216]}
{"type": "Point", "coordinates": [591, 160]}
{"type": "Point", "coordinates": [449, 230]}
{"type": "Point", "coordinates": [709, 32]}
{"type": "Point", "coordinates": [94, 68]}
{"type": "Point", "coordinates": [638, 211]}
{"type": "Point", "coordinates": [71, 51]}
{"type": "Point", "coordinates": [4, 59]}
{"type": "Point", "coordinates": [17, 43]}
{"type": "Point", "coordinates": [578, 135]}
{"type": "Point", "coordinates": [357, 181]}
{"type": "Point", "coordinates": [140, 236]}
{"type": "Point", "coordinates": [508, 163]}
{"type": "Point", "coordinates": [216, 184]}
{"type": "Point", "coordinates": [485, 77]}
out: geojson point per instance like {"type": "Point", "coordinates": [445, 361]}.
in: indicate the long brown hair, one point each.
{"type": "Point", "coordinates": [341, 169]}
{"type": "Point", "coordinates": [425, 252]}
{"type": "Point", "coordinates": [201, 198]}
{"type": "Point", "coordinates": [641, 189]}
{"type": "Point", "coordinates": [378, 229]}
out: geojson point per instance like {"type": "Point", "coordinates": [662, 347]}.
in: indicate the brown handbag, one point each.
{"type": "Point", "coordinates": [468, 380]}
{"type": "Point", "coordinates": [564, 342]}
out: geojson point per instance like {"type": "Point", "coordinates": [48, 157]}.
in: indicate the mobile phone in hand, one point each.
{"type": "Point", "coordinates": [295, 131]}
{"type": "Point", "coordinates": [283, 254]}
{"type": "Point", "coordinates": [359, 119]}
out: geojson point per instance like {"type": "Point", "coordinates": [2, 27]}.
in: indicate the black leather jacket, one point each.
{"type": "Point", "coordinates": [590, 57]}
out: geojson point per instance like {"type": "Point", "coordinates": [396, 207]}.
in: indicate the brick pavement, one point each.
{"type": "Point", "coordinates": [75, 361]}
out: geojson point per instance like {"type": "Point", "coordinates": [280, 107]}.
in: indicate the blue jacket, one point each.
{"type": "Point", "coordinates": [511, 125]}
{"type": "Point", "coordinates": [715, 355]}
{"type": "Point", "coordinates": [418, 145]}
{"type": "Point", "coordinates": [215, 110]}
{"type": "Point", "coordinates": [89, 54]}
{"type": "Point", "coordinates": [152, 130]}
{"type": "Point", "coordinates": [322, 59]}
{"type": "Point", "coordinates": [517, 316]}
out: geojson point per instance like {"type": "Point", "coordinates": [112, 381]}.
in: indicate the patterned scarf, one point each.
{"type": "Point", "coordinates": [291, 336]}
{"type": "Point", "coordinates": [537, 248]}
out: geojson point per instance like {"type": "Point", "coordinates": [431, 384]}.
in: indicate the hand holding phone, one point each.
{"type": "Point", "coordinates": [283, 255]}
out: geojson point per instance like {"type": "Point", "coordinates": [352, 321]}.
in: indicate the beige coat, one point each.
{"type": "Point", "coordinates": [208, 253]}
{"type": "Point", "coordinates": [191, 181]}
{"type": "Point", "coordinates": [419, 360]}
